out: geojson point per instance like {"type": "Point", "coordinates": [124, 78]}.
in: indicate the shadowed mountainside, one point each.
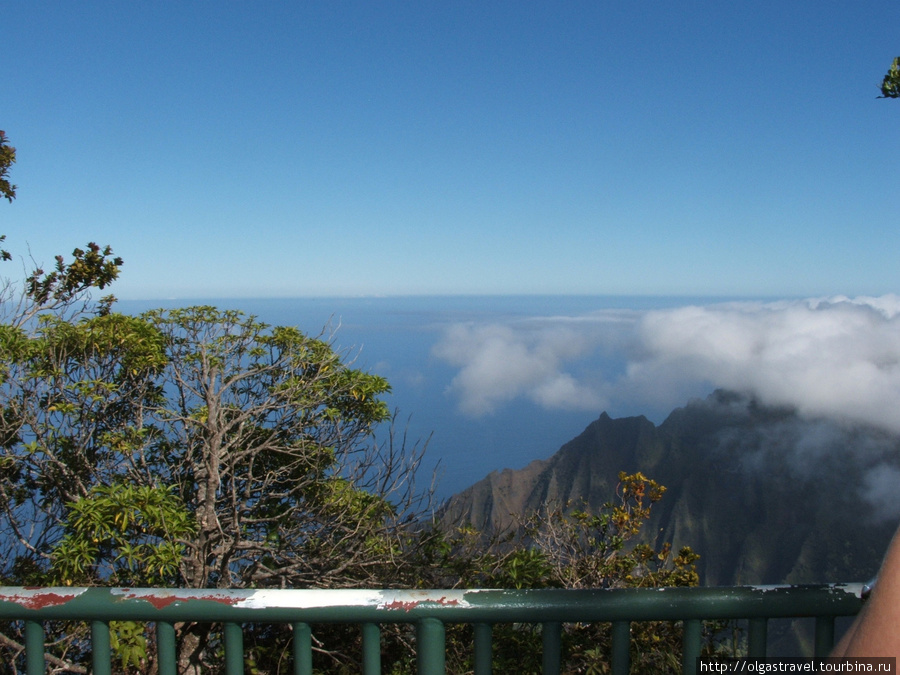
{"type": "Point", "coordinates": [763, 494]}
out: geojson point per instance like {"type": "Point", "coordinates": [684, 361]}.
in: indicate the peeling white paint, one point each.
{"type": "Point", "coordinates": [852, 588]}
{"type": "Point", "coordinates": [341, 597]}
{"type": "Point", "coordinates": [769, 588]}
{"type": "Point", "coordinates": [301, 599]}
{"type": "Point", "coordinates": [309, 599]}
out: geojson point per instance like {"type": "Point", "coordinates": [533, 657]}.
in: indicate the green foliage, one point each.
{"type": "Point", "coordinates": [890, 86]}
{"type": "Point", "coordinates": [524, 568]}
{"type": "Point", "coordinates": [72, 400]}
{"type": "Point", "coordinates": [124, 535]}
{"type": "Point", "coordinates": [7, 159]}
{"type": "Point", "coordinates": [258, 434]}
{"type": "Point", "coordinates": [137, 531]}
{"type": "Point", "coordinates": [195, 448]}
{"type": "Point", "coordinates": [129, 643]}
{"type": "Point", "coordinates": [565, 548]}
{"type": "Point", "coordinates": [93, 268]}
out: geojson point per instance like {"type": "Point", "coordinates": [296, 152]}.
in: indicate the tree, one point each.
{"type": "Point", "coordinates": [8, 190]}
{"type": "Point", "coordinates": [265, 433]}
{"type": "Point", "coordinates": [195, 448]}
{"type": "Point", "coordinates": [72, 396]}
{"type": "Point", "coordinates": [67, 288]}
{"type": "Point", "coordinates": [7, 159]}
{"type": "Point", "coordinates": [40, 347]}
{"type": "Point", "coordinates": [36, 322]}
{"type": "Point", "coordinates": [890, 86]}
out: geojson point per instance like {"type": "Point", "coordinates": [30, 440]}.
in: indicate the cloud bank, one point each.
{"type": "Point", "coordinates": [499, 363]}
{"type": "Point", "coordinates": [838, 357]}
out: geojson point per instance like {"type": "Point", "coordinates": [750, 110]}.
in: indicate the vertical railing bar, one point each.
{"type": "Point", "coordinates": [693, 630]}
{"type": "Point", "coordinates": [757, 637]}
{"type": "Point", "coordinates": [484, 648]}
{"type": "Point", "coordinates": [551, 637]}
{"type": "Point", "coordinates": [34, 647]}
{"type": "Point", "coordinates": [166, 657]}
{"type": "Point", "coordinates": [302, 648]}
{"type": "Point", "coordinates": [234, 648]}
{"type": "Point", "coordinates": [824, 641]}
{"type": "Point", "coordinates": [100, 650]}
{"type": "Point", "coordinates": [371, 643]}
{"type": "Point", "coordinates": [621, 647]}
{"type": "Point", "coordinates": [430, 647]}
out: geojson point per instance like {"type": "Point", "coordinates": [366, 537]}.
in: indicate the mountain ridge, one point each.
{"type": "Point", "coordinates": [763, 494]}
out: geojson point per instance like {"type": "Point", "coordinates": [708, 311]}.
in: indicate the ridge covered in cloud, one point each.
{"type": "Point", "coordinates": [838, 357]}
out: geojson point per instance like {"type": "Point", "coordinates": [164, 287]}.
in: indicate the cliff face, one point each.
{"type": "Point", "coordinates": [764, 495]}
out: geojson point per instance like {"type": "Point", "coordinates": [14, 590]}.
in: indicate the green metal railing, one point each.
{"type": "Point", "coordinates": [429, 611]}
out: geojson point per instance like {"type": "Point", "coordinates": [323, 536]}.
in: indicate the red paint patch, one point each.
{"type": "Point", "coordinates": [161, 601]}
{"type": "Point", "coordinates": [157, 601]}
{"type": "Point", "coordinates": [39, 600]}
{"type": "Point", "coordinates": [412, 604]}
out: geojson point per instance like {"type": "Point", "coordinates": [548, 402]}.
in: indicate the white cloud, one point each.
{"type": "Point", "coordinates": [500, 362]}
{"type": "Point", "coordinates": [836, 357]}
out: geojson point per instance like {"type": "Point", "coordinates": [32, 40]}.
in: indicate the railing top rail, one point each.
{"type": "Point", "coordinates": [464, 606]}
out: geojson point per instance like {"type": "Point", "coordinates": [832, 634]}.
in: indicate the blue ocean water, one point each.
{"type": "Point", "coordinates": [395, 337]}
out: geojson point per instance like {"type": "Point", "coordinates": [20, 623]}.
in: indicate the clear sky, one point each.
{"type": "Point", "coordinates": [346, 148]}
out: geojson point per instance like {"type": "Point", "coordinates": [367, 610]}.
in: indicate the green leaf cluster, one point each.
{"type": "Point", "coordinates": [93, 268]}
{"type": "Point", "coordinates": [7, 159]}
{"type": "Point", "coordinates": [123, 535]}
{"type": "Point", "coordinates": [128, 640]}
{"type": "Point", "coordinates": [890, 86]}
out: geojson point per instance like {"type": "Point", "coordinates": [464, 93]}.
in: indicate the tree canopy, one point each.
{"type": "Point", "coordinates": [890, 86]}
{"type": "Point", "coordinates": [193, 448]}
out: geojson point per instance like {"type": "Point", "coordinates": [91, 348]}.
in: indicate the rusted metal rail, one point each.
{"type": "Point", "coordinates": [428, 610]}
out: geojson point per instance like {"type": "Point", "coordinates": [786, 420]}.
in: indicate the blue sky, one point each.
{"type": "Point", "coordinates": [241, 149]}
